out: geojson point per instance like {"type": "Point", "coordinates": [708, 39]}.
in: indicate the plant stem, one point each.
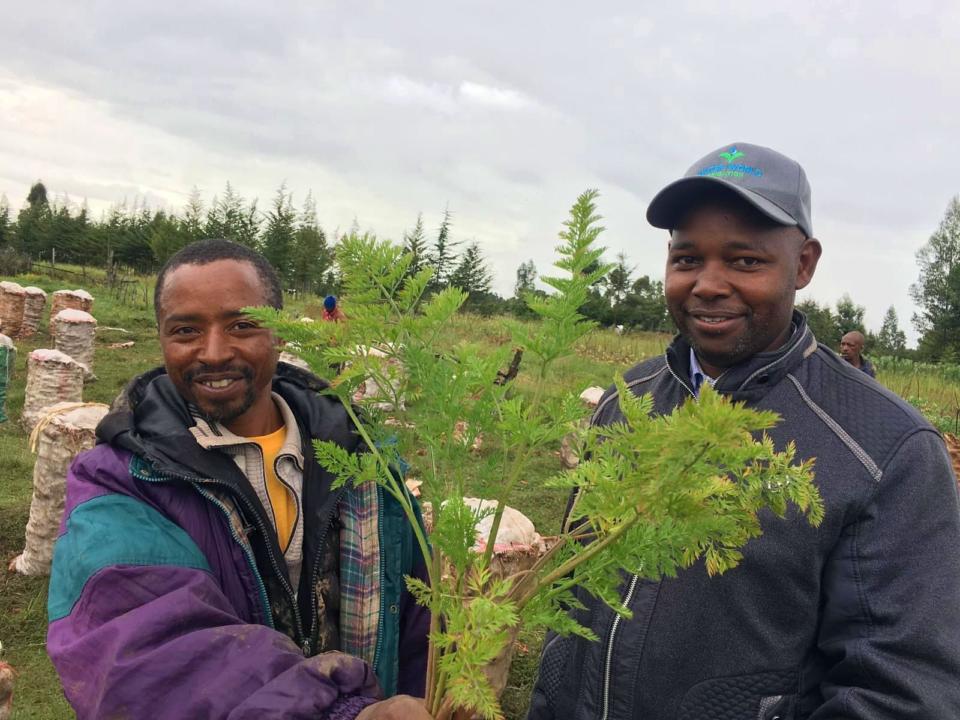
{"type": "Point", "coordinates": [520, 462]}
{"type": "Point", "coordinates": [433, 652]}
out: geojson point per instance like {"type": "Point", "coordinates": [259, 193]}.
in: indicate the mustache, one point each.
{"type": "Point", "coordinates": [203, 369]}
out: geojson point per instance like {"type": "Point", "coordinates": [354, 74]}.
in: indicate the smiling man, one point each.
{"type": "Point", "coordinates": [206, 567]}
{"type": "Point", "coordinates": [857, 619]}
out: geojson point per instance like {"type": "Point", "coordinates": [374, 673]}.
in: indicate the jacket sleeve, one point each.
{"type": "Point", "coordinates": [891, 621]}
{"type": "Point", "coordinates": [140, 628]}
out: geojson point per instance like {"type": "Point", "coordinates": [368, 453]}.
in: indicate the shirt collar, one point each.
{"type": "Point", "coordinates": [213, 435]}
{"type": "Point", "coordinates": [697, 374]}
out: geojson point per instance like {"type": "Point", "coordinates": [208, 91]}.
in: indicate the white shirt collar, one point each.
{"type": "Point", "coordinates": [697, 374]}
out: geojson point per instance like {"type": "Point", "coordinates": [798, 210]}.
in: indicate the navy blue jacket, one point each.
{"type": "Point", "coordinates": [857, 619]}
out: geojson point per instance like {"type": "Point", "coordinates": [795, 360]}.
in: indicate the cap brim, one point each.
{"type": "Point", "coordinates": [668, 206]}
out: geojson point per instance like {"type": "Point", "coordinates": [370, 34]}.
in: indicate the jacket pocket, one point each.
{"type": "Point", "coordinates": [759, 696]}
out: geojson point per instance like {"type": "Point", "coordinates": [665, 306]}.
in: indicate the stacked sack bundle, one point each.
{"type": "Point", "coordinates": [52, 377]}
{"type": "Point", "coordinates": [74, 333]}
{"type": "Point", "coordinates": [33, 305]}
{"type": "Point", "coordinates": [66, 430]}
{"type": "Point", "coordinates": [86, 300]}
{"type": "Point", "coordinates": [7, 355]}
{"type": "Point", "coordinates": [12, 299]}
{"type": "Point", "coordinates": [69, 300]}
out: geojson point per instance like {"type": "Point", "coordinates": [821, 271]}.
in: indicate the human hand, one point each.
{"type": "Point", "coordinates": [400, 707]}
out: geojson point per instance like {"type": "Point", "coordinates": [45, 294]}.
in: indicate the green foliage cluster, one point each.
{"type": "Point", "coordinates": [656, 495]}
{"type": "Point", "coordinates": [829, 325]}
{"type": "Point", "coordinates": [937, 291]}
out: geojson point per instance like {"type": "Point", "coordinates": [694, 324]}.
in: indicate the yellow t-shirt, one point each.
{"type": "Point", "coordinates": [281, 499]}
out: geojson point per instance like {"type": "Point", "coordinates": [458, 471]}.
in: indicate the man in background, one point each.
{"type": "Point", "coordinates": [851, 350]}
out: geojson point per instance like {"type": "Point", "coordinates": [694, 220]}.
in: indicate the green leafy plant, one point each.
{"type": "Point", "coordinates": [655, 494]}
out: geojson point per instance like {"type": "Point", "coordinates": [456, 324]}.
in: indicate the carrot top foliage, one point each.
{"type": "Point", "coordinates": [656, 494]}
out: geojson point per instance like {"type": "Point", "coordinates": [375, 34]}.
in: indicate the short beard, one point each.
{"type": "Point", "coordinates": [740, 352]}
{"type": "Point", "coordinates": [225, 413]}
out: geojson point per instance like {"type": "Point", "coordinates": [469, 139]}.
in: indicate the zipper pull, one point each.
{"type": "Point", "coordinates": [306, 648]}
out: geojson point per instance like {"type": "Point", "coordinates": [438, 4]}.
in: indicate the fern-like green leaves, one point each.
{"type": "Point", "coordinates": [655, 494]}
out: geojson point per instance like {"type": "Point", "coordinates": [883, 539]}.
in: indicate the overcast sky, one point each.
{"type": "Point", "coordinates": [502, 111]}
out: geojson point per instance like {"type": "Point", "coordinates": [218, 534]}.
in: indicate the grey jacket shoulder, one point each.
{"type": "Point", "coordinates": [636, 378]}
{"type": "Point", "coordinates": [852, 404]}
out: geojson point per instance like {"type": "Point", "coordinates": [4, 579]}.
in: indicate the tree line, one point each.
{"type": "Point", "coordinates": [293, 240]}
{"type": "Point", "coordinates": [141, 238]}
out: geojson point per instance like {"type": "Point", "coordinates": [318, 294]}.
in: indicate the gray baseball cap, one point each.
{"type": "Point", "coordinates": [773, 183]}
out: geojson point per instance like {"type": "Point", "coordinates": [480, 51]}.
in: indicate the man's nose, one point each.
{"type": "Point", "coordinates": [217, 348]}
{"type": "Point", "coordinates": [712, 281]}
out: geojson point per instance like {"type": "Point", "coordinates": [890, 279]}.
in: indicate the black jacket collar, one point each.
{"type": "Point", "coordinates": [152, 420]}
{"type": "Point", "coordinates": [751, 378]}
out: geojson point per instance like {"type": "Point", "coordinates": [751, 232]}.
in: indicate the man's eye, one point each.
{"type": "Point", "coordinates": [184, 331]}
{"type": "Point", "coordinates": [684, 260]}
{"type": "Point", "coordinates": [245, 325]}
{"type": "Point", "coordinates": [748, 261]}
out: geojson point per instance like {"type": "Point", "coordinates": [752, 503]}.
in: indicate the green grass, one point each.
{"type": "Point", "coordinates": [23, 600]}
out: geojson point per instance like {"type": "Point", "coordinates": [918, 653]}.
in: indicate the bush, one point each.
{"type": "Point", "coordinates": [13, 262]}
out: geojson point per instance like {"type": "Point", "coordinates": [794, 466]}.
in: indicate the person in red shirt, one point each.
{"type": "Point", "coordinates": [332, 311]}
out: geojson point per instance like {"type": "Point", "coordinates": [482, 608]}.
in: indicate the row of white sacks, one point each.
{"type": "Point", "coordinates": [61, 426]}
{"type": "Point", "coordinates": [21, 308]}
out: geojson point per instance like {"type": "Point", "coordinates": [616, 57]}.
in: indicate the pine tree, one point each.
{"type": "Point", "coordinates": [33, 222]}
{"type": "Point", "coordinates": [618, 281]}
{"type": "Point", "coordinates": [168, 234]}
{"type": "Point", "coordinates": [193, 215]}
{"type": "Point", "coordinates": [415, 243]}
{"type": "Point", "coordinates": [229, 218]}
{"type": "Point", "coordinates": [311, 257]}
{"type": "Point", "coordinates": [849, 316]}
{"type": "Point", "coordinates": [891, 340]}
{"type": "Point", "coordinates": [937, 290]}
{"type": "Point", "coordinates": [278, 236]}
{"type": "Point", "coordinates": [821, 322]}
{"type": "Point", "coordinates": [442, 258]}
{"type": "Point", "coordinates": [471, 274]}
{"type": "Point", "coordinates": [526, 276]}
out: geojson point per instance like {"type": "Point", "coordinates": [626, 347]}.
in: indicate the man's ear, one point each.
{"type": "Point", "coordinates": [810, 252]}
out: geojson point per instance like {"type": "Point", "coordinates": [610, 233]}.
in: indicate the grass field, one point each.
{"type": "Point", "coordinates": [23, 600]}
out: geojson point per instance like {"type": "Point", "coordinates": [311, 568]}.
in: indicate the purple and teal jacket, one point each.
{"type": "Point", "coordinates": [169, 596]}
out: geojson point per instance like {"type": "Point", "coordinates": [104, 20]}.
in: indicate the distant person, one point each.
{"type": "Point", "coordinates": [858, 618]}
{"type": "Point", "coordinates": [331, 310]}
{"type": "Point", "coordinates": [851, 350]}
{"type": "Point", "coordinates": [207, 567]}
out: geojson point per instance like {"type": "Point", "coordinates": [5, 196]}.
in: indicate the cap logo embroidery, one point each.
{"type": "Point", "coordinates": [731, 155]}
{"type": "Point", "coordinates": [731, 169]}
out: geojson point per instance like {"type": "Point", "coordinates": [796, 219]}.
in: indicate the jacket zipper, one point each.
{"type": "Point", "coordinates": [298, 621]}
{"type": "Point", "coordinates": [264, 598]}
{"type": "Point", "coordinates": [677, 378]}
{"type": "Point", "coordinates": [315, 570]}
{"type": "Point", "coordinates": [608, 662]}
{"type": "Point", "coordinates": [263, 465]}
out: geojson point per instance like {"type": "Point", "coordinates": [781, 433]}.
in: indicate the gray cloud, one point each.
{"type": "Point", "coordinates": [504, 111]}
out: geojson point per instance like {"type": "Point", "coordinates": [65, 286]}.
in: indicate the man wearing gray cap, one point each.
{"type": "Point", "coordinates": [857, 619]}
